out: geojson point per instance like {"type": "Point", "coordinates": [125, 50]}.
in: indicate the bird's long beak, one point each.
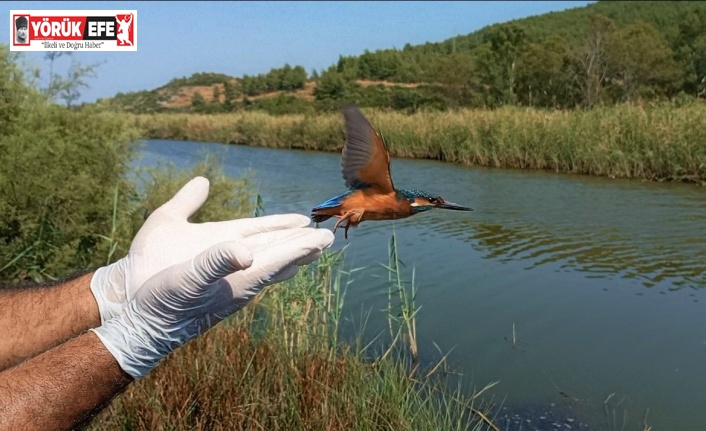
{"type": "Point", "coordinates": [453, 206]}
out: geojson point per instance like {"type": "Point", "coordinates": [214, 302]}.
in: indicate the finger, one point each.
{"type": "Point", "coordinates": [218, 262]}
{"type": "Point", "coordinates": [291, 271]}
{"type": "Point", "coordinates": [309, 241]}
{"type": "Point", "coordinates": [280, 255]}
{"type": "Point", "coordinates": [256, 225]}
{"type": "Point", "coordinates": [188, 199]}
{"type": "Point", "coordinates": [261, 241]}
{"type": "Point", "coordinates": [285, 275]}
{"type": "Point", "coordinates": [310, 259]}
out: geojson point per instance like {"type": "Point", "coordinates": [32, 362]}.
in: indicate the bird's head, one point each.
{"type": "Point", "coordinates": [422, 201]}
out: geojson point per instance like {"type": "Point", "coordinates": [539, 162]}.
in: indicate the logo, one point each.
{"type": "Point", "coordinates": [77, 30]}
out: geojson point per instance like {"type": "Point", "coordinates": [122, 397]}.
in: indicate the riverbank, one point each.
{"type": "Point", "coordinates": [278, 364]}
{"type": "Point", "coordinates": [662, 143]}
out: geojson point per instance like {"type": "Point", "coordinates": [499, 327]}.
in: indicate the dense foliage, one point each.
{"type": "Point", "coordinates": [286, 78]}
{"type": "Point", "coordinates": [69, 198]}
{"type": "Point", "coordinates": [60, 171]}
{"type": "Point", "coordinates": [206, 78]}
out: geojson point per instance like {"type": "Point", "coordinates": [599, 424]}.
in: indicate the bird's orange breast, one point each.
{"type": "Point", "coordinates": [370, 205]}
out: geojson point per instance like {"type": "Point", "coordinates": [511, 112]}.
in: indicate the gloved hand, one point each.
{"type": "Point", "coordinates": [168, 238]}
{"type": "Point", "coordinates": [186, 299]}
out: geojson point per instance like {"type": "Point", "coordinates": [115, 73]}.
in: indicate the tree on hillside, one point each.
{"type": "Point", "coordinates": [286, 78]}
{"type": "Point", "coordinates": [591, 61]}
{"type": "Point", "coordinates": [332, 85]}
{"type": "Point", "coordinates": [458, 79]}
{"type": "Point", "coordinates": [691, 51]}
{"type": "Point", "coordinates": [198, 103]}
{"type": "Point", "coordinates": [543, 75]}
{"type": "Point", "coordinates": [253, 85]}
{"type": "Point", "coordinates": [641, 63]}
{"type": "Point", "coordinates": [381, 65]}
{"type": "Point", "coordinates": [230, 92]}
{"type": "Point", "coordinates": [347, 66]}
{"type": "Point", "coordinates": [410, 68]}
{"type": "Point", "coordinates": [496, 63]}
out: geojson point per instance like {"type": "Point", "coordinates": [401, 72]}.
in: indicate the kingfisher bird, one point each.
{"type": "Point", "coordinates": [371, 195]}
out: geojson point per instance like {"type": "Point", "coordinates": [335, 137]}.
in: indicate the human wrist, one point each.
{"type": "Point", "coordinates": [139, 339]}
{"type": "Point", "coordinates": [108, 289]}
{"type": "Point", "coordinates": [132, 346]}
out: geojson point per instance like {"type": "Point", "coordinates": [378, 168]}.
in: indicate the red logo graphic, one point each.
{"type": "Point", "coordinates": [126, 32]}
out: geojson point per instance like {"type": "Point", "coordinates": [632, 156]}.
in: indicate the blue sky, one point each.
{"type": "Point", "coordinates": [176, 39]}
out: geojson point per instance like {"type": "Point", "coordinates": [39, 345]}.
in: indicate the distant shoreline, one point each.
{"type": "Point", "coordinates": [658, 143]}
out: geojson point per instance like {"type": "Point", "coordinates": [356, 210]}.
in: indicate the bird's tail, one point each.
{"type": "Point", "coordinates": [318, 218]}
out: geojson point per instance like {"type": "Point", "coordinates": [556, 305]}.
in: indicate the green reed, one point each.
{"type": "Point", "coordinates": [112, 241]}
{"type": "Point", "coordinates": [401, 311]}
{"type": "Point", "coordinates": [657, 142]}
{"type": "Point", "coordinates": [279, 364]}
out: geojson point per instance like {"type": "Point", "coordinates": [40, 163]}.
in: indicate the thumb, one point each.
{"type": "Point", "coordinates": [188, 199]}
{"type": "Point", "coordinates": [217, 262]}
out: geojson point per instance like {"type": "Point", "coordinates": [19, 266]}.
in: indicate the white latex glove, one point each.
{"type": "Point", "coordinates": [184, 300]}
{"type": "Point", "coordinates": [168, 238]}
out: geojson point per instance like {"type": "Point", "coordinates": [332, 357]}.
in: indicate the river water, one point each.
{"type": "Point", "coordinates": [582, 297]}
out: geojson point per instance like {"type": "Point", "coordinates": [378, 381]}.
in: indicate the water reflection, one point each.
{"type": "Point", "coordinates": [600, 254]}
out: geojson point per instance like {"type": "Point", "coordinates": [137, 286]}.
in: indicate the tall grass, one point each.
{"type": "Point", "coordinates": [278, 364]}
{"type": "Point", "coordinates": [657, 142]}
{"type": "Point", "coordinates": [401, 308]}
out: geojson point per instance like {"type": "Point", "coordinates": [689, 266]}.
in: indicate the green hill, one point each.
{"type": "Point", "coordinates": [573, 25]}
{"type": "Point", "coordinates": [603, 53]}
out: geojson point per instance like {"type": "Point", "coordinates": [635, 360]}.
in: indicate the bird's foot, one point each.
{"type": "Point", "coordinates": [341, 220]}
{"type": "Point", "coordinates": [337, 224]}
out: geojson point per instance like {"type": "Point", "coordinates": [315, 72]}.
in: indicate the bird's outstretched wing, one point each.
{"type": "Point", "coordinates": [365, 161]}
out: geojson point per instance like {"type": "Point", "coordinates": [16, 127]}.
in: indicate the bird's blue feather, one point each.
{"type": "Point", "coordinates": [334, 201]}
